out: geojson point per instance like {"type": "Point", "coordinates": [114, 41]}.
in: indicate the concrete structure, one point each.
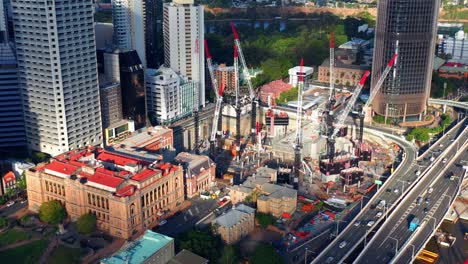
{"type": "Point", "coordinates": [12, 133]}
{"type": "Point", "coordinates": [123, 192]}
{"type": "Point", "coordinates": [445, 30]}
{"type": "Point", "coordinates": [169, 97]}
{"type": "Point", "coordinates": [125, 67]}
{"type": "Point", "coordinates": [187, 257]}
{"type": "Point", "coordinates": [149, 144]}
{"type": "Point", "coordinates": [409, 29]}
{"type": "Point", "coordinates": [345, 74]}
{"type": "Point", "coordinates": [104, 35]}
{"type": "Point", "coordinates": [272, 90]}
{"type": "Point", "coordinates": [58, 74]}
{"type": "Point", "coordinates": [235, 224]}
{"type": "Point", "coordinates": [455, 47]}
{"type": "Point", "coordinates": [151, 248]}
{"type": "Point", "coordinates": [118, 131]}
{"type": "Point", "coordinates": [8, 182]}
{"type": "Point", "coordinates": [111, 103]}
{"type": "Point", "coordinates": [225, 77]}
{"type": "Point", "coordinates": [183, 30]}
{"type": "Point", "coordinates": [295, 72]}
{"type": "Point", "coordinates": [199, 172]}
{"type": "Point", "coordinates": [128, 17]}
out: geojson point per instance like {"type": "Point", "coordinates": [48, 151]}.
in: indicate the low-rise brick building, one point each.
{"type": "Point", "coordinates": [347, 75]}
{"type": "Point", "coordinates": [199, 172]}
{"type": "Point", "coordinates": [124, 193]}
{"type": "Point", "coordinates": [235, 224]}
{"type": "Point", "coordinates": [277, 200]}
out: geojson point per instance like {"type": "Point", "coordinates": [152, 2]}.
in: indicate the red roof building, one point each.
{"type": "Point", "coordinates": [8, 182]}
{"type": "Point", "coordinates": [272, 90]}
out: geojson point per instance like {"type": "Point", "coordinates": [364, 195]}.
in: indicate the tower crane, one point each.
{"type": "Point", "coordinates": [298, 141]}
{"type": "Point", "coordinates": [238, 107]}
{"type": "Point", "coordinates": [253, 98]}
{"type": "Point", "coordinates": [374, 93]}
{"type": "Point", "coordinates": [329, 118]}
{"type": "Point", "coordinates": [196, 106]}
{"type": "Point", "coordinates": [219, 98]}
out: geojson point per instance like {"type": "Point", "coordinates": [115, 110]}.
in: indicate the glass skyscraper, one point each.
{"type": "Point", "coordinates": [409, 29]}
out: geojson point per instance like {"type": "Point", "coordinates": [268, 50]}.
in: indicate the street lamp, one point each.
{"type": "Point", "coordinates": [338, 225]}
{"type": "Point", "coordinates": [307, 254]}
{"type": "Point", "coordinates": [435, 221]}
{"type": "Point", "coordinates": [396, 246]}
{"type": "Point", "coordinates": [412, 255]}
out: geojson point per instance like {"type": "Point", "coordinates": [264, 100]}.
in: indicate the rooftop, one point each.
{"type": "Point", "coordinates": [187, 257]}
{"type": "Point", "coordinates": [277, 86]}
{"type": "Point", "coordinates": [340, 64]}
{"type": "Point", "coordinates": [140, 250]}
{"type": "Point", "coordinates": [195, 164]}
{"type": "Point", "coordinates": [234, 215]}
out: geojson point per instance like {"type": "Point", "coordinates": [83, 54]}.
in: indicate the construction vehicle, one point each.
{"type": "Point", "coordinates": [245, 71]}
{"type": "Point", "coordinates": [219, 100]}
{"type": "Point", "coordinates": [413, 224]}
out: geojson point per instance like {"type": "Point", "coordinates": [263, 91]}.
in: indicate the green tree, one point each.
{"type": "Point", "coordinates": [229, 255]}
{"type": "Point", "coordinates": [52, 212]}
{"type": "Point", "coordinates": [21, 182]}
{"type": "Point", "coordinates": [265, 219]}
{"type": "Point", "coordinates": [3, 222]}
{"type": "Point", "coordinates": [86, 223]}
{"type": "Point", "coordinates": [38, 157]}
{"type": "Point", "coordinates": [202, 243]}
{"type": "Point", "coordinates": [265, 254]}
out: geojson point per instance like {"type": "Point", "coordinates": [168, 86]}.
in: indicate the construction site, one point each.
{"type": "Point", "coordinates": [316, 144]}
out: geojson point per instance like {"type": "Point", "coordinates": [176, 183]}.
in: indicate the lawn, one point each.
{"type": "Point", "coordinates": [29, 253]}
{"type": "Point", "coordinates": [64, 254]}
{"type": "Point", "coordinates": [12, 236]}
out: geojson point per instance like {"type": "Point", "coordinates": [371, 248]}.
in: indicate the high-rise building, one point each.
{"type": "Point", "coordinates": [153, 33]}
{"type": "Point", "coordinates": [183, 29]}
{"type": "Point", "coordinates": [111, 103]}
{"type": "Point", "coordinates": [409, 29]}
{"type": "Point", "coordinates": [3, 24]}
{"type": "Point", "coordinates": [56, 56]}
{"type": "Point", "coordinates": [169, 97]}
{"type": "Point", "coordinates": [12, 132]}
{"type": "Point", "coordinates": [129, 26]}
{"type": "Point", "coordinates": [125, 67]}
{"type": "Point", "coordinates": [456, 48]}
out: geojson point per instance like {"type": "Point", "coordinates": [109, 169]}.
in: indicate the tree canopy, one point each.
{"type": "Point", "coordinates": [86, 223]}
{"type": "Point", "coordinates": [202, 243]}
{"type": "Point", "coordinates": [52, 212]}
{"type": "Point", "coordinates": [229, 255]}
{"type": "Point", "coordinates": [265, 254]}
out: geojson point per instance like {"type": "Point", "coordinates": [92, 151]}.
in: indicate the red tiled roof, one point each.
{"type": "Point", "coordinates": [126, 191]}
{"type": "Point", "coordinates": [61, 167]}
{"type": "Point", "coordinates": [277, 86]}
{"type": "Point", "coordinates": [118, 159]}
{"type": "Point", "coordinates": [143, 175]}
{"type": "Point", "coordinates": [105, 179]}
{"type": "Point", "coordinates": [9, 176]}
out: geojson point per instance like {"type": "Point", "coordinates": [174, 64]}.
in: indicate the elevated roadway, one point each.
{"type": "Point", "coordinates": [394, 189]}
{"type": "Point", "coordinates": [394, 243]}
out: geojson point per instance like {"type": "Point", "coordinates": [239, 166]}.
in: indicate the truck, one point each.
{"type": "Point", "coordinates": [413, 224]}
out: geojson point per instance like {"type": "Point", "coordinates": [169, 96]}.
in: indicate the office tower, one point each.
{"type": "Point", "coordinates": [183, 41]}
{"type": "Point", "coordinates": [129, 26]}
{"type": "Point", "coordinates": [111, 103]}
{"type": "Point", "coordinates": [3, 24]}
{"type": "Point", "coordinates": [169, 97]}
{"type": "Point", "coordinates": [12, 132]}
{"type": "Point", "coordinates": [409, 29]}
{"type": "Point", "coordinates": [153, 34]}
{"type": "Point", "coordinates": [125, 67]}
{"type": "Point", "coordinates": [56, 56]}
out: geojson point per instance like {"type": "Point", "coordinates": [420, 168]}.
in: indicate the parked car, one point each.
{"type": "Point", "coordinates": [370, 223]}
{"type": "Point", "coordinates": [418, 172]}
{"type": "Point", "coordinates": [163, 222]}
{"type": "Point", "coordinates": [10, 203]}
{"type": "Point", "coordinates": [379, 214]}
{"type": "Point", "coordinates": [396, 190]}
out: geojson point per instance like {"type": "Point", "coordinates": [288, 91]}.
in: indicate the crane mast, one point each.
{"type": "Point", "coordinates": [298, 141]}
{"type": "Point", "coordinates": [329, 118]}
{"type": "Point", "coordinates": [237, 103]}
{"type": "Point", "coordinates": [373, 93]}
{"type": "Point", "coordinates": [246, 74]}
{"type": "Point", "coordinates": [196, 106]}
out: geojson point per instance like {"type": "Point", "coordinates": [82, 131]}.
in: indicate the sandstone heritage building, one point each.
{"type": "Point", "coordinates": [126, 194]}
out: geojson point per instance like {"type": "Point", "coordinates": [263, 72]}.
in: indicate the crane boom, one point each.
{"type": "Point", "coordinates": [219, 101]}
{"type": "Point", "coordinates": [380, 82]}
{"type": "Point", "coordinates": [245, 70]}
{"type": "Point", "coordinates": [341, 119]}
{"type": "Point", "coordinates": [214, 82]}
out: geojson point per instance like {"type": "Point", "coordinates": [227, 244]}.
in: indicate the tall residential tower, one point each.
{"type": "Point", "coordinates": [56, 56]}
{"type": "Point", "coordinates": [409, 29]}
{"type": "Point", "coordinates": [183, 29]}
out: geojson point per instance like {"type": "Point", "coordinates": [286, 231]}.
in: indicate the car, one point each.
{"type": "Point", "coordinates": [10, 203]}
{"type": "Point", "coordinates": [441, 145]}
{"type": "Point", "coordinates": [430, 190]}
{"type": "Point", "coordinates": [444, 160]}
{"type": "Point", "coordinates": [419, 200]}
{"type": "Point", "coordinates": [425, 210]}
{"type": "Point", "coordinates": [358, 223]}
{"type": "Point", "coordinates": [428, 200]}
{"type": "Point", "coordinates": [329, 260]}
{"type": "Point", "coordinates": [379, 214]}
{"type": "Point", "coordinates": [418, 172]}
{"type": "Point", "coordinates": [343, 244]}
{"type": "Point", "coordinates": [163, 222]}
{"type": "Point", "coordinates": [396, 190]}
{"type": "Point", "coordinates": [23, 201]}
{"type": "Point", "coordinates": [370, 223]}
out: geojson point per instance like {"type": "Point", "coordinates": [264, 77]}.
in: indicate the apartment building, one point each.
{"type": "Point", "coordinates": [125, 193]}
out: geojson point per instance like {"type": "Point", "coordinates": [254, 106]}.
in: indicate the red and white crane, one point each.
{"type": "Point", "coordinates": [298, 141]}
{"type": "Point", "coordinates": [246, 74]}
